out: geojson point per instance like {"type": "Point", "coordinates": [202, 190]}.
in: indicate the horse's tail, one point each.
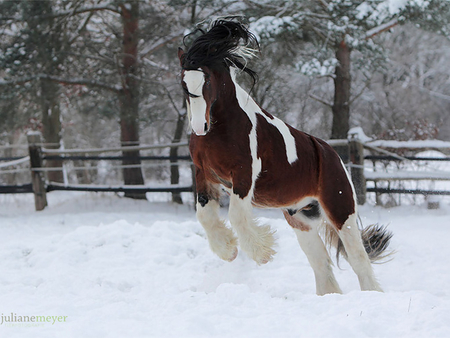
{"type": "Point", "coordinates": [375, 238]}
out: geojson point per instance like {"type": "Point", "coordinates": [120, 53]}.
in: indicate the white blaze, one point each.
{"type": "Point", "coordinates": [195, 80]}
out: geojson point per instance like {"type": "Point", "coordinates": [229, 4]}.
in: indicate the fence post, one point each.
{"type": "Point", "coordinates": [356, 150]}
{"type": "Point", "coordinates": [37, 179]}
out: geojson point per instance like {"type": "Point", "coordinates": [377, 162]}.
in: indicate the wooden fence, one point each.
{"type": "Point", "coordinates": [361, 155]}
{"type": "Point", "coordinates": [393, 152]}
{"type": "Point", "coordinates": [39, 186]}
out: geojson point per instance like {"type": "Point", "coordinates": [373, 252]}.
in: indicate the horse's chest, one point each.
{"type": "Point", "coordinates": [226, 162]}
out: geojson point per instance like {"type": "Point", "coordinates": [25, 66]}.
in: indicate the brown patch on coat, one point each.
{"type": "Point", "coordinates": [295, 222]}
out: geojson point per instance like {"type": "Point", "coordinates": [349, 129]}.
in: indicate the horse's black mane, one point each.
{"type": "Point", "coordinates": [219, 47]}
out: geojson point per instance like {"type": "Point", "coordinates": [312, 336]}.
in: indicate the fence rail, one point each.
{"type": "Point", "coordinates": [16, 189]}
{"type": "Point", "coordinates": [410, 158]}
{"type": "Point", "coordinates": [112, 149]}
{"type": "Point", "coordinates": [113, 158]}
{"type": "Point", "coordinates": [409, 191]}
{"type": "Point", "coordinates": [13, 161]}
{"type": "Point", "coordinates": [54, 186]}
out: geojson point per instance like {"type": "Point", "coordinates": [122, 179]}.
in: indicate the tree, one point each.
{"type": "Point", "coordinates": [411, 87]}
{"type": "Point", "coordinates": [38, 44]}
{"type": "Point", "coordinates": [45, 29]}
{"type": "Point", "coordinates": [330, 31]}
{"type": "Point", "coordinates": [129, 95]}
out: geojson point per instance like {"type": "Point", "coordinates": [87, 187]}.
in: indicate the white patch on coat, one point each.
{"type": "Point", "coordinates": [248, 105]}
{"type": "Point", "coordinates": [289, 140]}
{"type": "Point", "coordinates": [351, 185]}
{"type": "Point", "coordinates": [251, 109]}
{"type": "Point", "coordinates": [195, 80]}
{"type": "Point", "coordinates": [256, 241]}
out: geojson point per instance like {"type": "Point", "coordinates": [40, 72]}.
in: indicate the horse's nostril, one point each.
{"type": "Point", "coordinates": [206, 127]}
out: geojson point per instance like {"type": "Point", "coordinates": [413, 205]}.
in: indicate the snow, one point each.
{"type": "Point", "coordinates": [318, 67]}
{"type": "Point", "coordinates": [268, 26]}
{"type": "Point", "coordinates": [383, 10]}
{"type": "Point", "coordinates": [15, 162]}
{"type": "Point", "coordinates": [376, 30]}
{"type": "Point", "coordinates": [358, 132]}
{"type": "Point", "coordinates": [437, 144]}
{"type": "Point", "coordinates": [407, 175]}
{"type": "Point", "coordinates": [121, 268]}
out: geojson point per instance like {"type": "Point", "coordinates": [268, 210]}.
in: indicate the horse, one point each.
{"type": "Point", "coordinates": [263, 162]}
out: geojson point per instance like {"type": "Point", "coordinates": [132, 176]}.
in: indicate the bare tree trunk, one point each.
{"type": "Point", "coordinates": [174, 169]}
{"type": "Point", "coordinates": [51, 121]}
{"type": "Point", "coordinates": [47, 39]}
{"type": "Point", "coordinates": [341, 104]}
{"type": "Point", "coordinates": [129, 96]}
{"type": "Point", "coordinates": [193, 11]}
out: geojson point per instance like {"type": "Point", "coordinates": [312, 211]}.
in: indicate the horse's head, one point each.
{"type": "Point", "coordinates": [226, 43]}
{"type": "Point", "coordinates": [200, 90]}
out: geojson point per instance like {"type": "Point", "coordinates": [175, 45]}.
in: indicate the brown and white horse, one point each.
{"type": "Point", "coordinates": [264, 162]}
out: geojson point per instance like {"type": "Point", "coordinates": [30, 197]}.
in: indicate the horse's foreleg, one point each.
{"type": "Point", "coordinates": [314, 249]}
{"type": "Point", "coordinates": [221, 239]}
{"type": "Point", "coordinates": [256, 241]}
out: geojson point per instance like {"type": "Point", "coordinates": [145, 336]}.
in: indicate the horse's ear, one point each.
{"type": "Point", "coordinates": [181, 55]}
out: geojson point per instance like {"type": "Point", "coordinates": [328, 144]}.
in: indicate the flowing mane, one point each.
{"type": "Point", "coordinates": [226, 43]}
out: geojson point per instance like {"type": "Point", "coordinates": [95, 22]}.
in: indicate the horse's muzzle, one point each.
{"type": "Point", "coordinates": [200, 129]}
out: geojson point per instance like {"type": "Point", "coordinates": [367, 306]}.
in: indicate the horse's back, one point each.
{"type": "Point", "coordinates": [280, 182]}
{"type": "Point", "coordinates": [317, 173]}
{"type": "Point", "coordinates": [335, 189]}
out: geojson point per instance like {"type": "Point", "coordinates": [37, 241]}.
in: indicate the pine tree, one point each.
{"type": "Point", "coordinates": [328, 32]}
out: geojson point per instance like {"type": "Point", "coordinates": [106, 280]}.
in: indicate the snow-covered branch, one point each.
{"type": "Point", "coordinates": [434, 93]}
{"type": "Point", "coordinates": [18, 81]}
{"type": "Point", "coordinates": [380, 29]}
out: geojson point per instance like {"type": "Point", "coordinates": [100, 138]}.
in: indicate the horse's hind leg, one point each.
{"type": "Point", "coordinates": [221, 239]}
{"type": "Point", "coordinates": [306, 229]}
{"type": "Point", "coordinates": [350, 236]}
{"type": "Point", "coordinates": [338, 201]}
{"type": "Point", "coordinates": [341, 214]}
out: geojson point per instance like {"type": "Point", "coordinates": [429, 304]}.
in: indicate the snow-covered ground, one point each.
{"type": "Point", "coordinates": [105, 266]}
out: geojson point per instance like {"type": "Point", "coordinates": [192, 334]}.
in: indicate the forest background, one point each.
{"type": "Point", "coordinates": [96, 73]}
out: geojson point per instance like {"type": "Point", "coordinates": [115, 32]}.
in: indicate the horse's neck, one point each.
{"type": "Point", "coordinates": [245, 101]}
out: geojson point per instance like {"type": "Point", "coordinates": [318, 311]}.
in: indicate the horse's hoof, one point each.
{"type": "Point", "coordinates": [262, 251]}
{"type": "Point", "coordinates": [233, 256]}
{"type": "Point", "coordinates": [266, 258]}
{"type": "Point", "coordinates": [265, 261]}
